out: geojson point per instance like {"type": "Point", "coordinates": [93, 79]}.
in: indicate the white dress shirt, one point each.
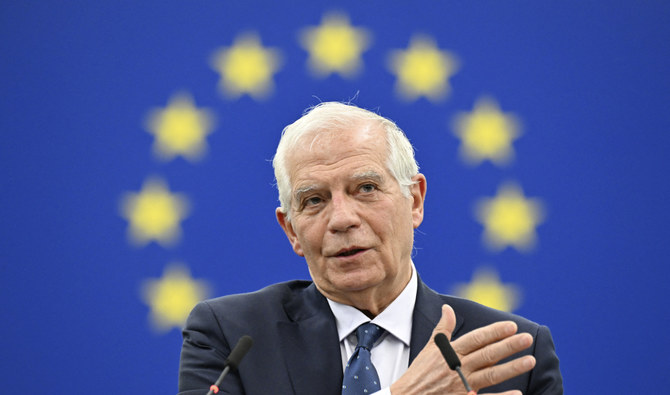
{"type": "Point", "coordinates": [390, 354]}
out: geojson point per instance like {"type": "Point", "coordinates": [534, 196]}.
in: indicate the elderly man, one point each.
{"type": "Point", "coordinates": [351, 196]}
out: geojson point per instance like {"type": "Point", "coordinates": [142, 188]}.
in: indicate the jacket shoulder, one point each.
{"type": "Point", "coordinates": [268, 300]}
{"type": "Point", "coordinates": [476, 315]}
{"type": "Point", "coordinates": [215, 325]}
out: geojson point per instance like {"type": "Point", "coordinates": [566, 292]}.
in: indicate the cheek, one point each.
{"type": "Point", "coordinates": [308, 239]}
{"type": "Point", "coordinates": [398, 228]}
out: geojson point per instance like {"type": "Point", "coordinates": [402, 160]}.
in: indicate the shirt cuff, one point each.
{"type": "Point", "coordinates": [383, 391]}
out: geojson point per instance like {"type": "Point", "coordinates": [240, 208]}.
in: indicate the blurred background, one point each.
{"type": "Point", "coordinates": [136, 176]}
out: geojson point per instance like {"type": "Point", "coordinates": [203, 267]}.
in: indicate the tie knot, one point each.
{"type": "Point", "coordinates": [368, 334]}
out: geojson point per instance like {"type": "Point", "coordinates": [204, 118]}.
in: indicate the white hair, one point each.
{"type": "Point", "coordinates": [334, 116]}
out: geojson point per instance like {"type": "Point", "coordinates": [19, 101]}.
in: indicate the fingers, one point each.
{"type": "Point", "coordinates": [491, 354]}
{"type": "Point", "coordinates": [499, 373]}
{"type": "Point", "coordinates": [482, 348]}
{"type": "Point", "coordinates": [447, 322]}
{"type": "Point", "coordinates": [484, 336]}
{"type": "Point", "coordinates": [428, 373]}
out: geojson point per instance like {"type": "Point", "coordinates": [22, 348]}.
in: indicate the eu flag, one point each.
{"type": "Point", "coordinates": [136, 177]}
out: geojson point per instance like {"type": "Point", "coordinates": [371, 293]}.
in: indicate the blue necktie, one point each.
{"type": "Point", "coordinates": [360, 376]}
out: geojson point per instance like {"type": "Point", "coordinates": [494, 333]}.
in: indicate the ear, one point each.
{"type": "Point", "coordinates": [418, 193]}
{"type": "Point", "coordinates": [288, 229]}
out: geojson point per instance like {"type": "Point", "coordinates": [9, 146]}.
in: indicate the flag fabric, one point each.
{"type": "Point", "coordinates": [136, 177]}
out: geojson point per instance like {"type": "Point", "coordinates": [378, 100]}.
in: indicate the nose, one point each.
{"type": "Point", "coordinates": [343, 215]}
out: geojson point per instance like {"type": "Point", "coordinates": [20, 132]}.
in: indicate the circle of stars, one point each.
{"type": "Point", "coordinates": [154, 213]}
{"type": "Point", "coordinates": [335, 46]}
{"type": "Point", "coordinates": [180, 129]}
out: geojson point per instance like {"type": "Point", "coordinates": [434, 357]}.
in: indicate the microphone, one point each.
{"type": "Point", "coordinates": [452, 359]}
{"type": "Point", "coordinates": [243, 345]}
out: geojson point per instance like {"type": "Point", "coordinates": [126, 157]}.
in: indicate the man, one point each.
{"type": "Point", "coordinates": [351, 196]}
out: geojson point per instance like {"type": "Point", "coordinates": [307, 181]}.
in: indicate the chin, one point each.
{"type": "Point", "coordinates": [356, 282]}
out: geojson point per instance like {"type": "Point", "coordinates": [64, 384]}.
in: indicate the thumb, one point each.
{"type": "Point", "coordinates": [447, 322]}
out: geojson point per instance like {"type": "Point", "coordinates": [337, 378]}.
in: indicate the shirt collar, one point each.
{"type": "Point", "coordinates": [395, 319]}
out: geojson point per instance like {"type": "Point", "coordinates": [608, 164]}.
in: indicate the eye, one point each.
{"type": "Point", "coordinates": [367, 188]}
{"type": "Point", "coordinates": [311, 201]}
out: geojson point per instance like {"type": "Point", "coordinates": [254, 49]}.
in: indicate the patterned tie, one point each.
{"type": "Point", "coordinates": [360, 376]}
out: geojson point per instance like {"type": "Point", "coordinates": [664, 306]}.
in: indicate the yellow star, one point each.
{"type": "Point", "coordinates": [154, 214]}
{"type": "Point", "coordinates": [180, 129]}
{"type": "Point", "coordinates": [486, 288]}
{"type": "Point", "coordinates": [246, 68]}
{"type": "Point", "coordinates": [172, 297]}
{"type": "Point", "coordinates": [486, 133]}
{"type": "Point", "coordinates": [423, 70]}
{"type": "Point", "coordinates": [335, 46]}
{"type": "Point", "coordinates": [510, 219]}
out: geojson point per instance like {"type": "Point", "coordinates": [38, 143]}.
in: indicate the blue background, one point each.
{"type": "Point", "coordinates": [588, 79]}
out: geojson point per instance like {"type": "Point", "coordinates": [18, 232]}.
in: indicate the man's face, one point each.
{"type": "Point", "coordinates": [349, 217]}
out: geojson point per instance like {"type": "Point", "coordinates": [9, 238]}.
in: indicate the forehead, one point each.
{"type": "Point", "coordinates": [351, 151]}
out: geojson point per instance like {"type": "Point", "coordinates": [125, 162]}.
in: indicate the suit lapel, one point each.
{"type": "Point", "coordinates": [427, 313]}
{"type": "Point", "coordinates": [310, 345]}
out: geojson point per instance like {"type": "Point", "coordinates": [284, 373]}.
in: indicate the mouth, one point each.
{"type": "Point", "coordinates": [345, 252]}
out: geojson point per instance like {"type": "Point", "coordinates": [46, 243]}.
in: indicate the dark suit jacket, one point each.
{"type": "Point", "coordinates": [296, 348]}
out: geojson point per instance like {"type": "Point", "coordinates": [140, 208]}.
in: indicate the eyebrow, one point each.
{"type": "Point", "coordinates": [300, 192]}
{"type": "Point", "coordinates": [364, 176]}
{"type": "Point", "coordinates": [368, 175]}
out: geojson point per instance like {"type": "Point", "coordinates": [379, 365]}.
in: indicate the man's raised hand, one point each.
{"type": "Point", "coordinates": [478, 351]}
